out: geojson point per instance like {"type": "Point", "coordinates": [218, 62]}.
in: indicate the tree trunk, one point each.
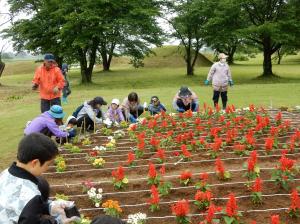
{"type": "Point", "coordinates": [279, 55]}
{"type": "Point", "coordinates": [2, 66]}
{"type": "Point", "coordinates": [267, 65]}
{"type": "Point", "coordinates": [231, 53]}
{"type": "Point", "coordinates": [188, 59]}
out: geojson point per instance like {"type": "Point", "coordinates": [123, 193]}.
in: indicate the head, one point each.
{"type": "Point", "coordinates": [72, 122]}
{"type": "Point", "coordinates": [57, 113]}
{"type": "Point", "coordinates": [133, 98]}
{"type": "Point", "coordinates": [97, 102]}
{"type": "Point", "coordinates": [44, 188]}
{"type": "Point", "coordinates": [106, 219]}
{"type": "Point", "coordinates": [185, 95]}
{"type": "Point", "coordinates": [154, 100]}
{"type": "Point", "coordinates": [35, 153]}
{"type": "Point", "coordinates": [222, 57]}
{"type": "Point", "coordinates": [64, 67]}
{"type": "Point", "coordinates": [49, 61]}
{"type": "Point", "coordinates": [115, 104]}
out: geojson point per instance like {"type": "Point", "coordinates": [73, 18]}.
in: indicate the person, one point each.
{"type": "Point", "coordinates": [48, 123]}
{"type": "Point", "coordinates": [90, 112]}
{"type": "Point", "coordinates": [50, 81]}
{"type": "Point", "coordinates": [114, 113]}
{"type": "Point", "coordinates": [131, 107]}
{"type": "Point", "coordinates": [44, 188]}
{"type": "Point", "coordinates": [66, 91]}
{"type": "Point", "coordinates": [20, 198]}
{"type": "Point", "coordinates": [106, 219]}
{"type": "Point", "coordinates": [185, 100]}
{"type": "Point", "coordinates": [69, 126]}
{"type": "Point", "coordinates": [220, 76]}
{"type": "Point", "coordinates": [155, 106]}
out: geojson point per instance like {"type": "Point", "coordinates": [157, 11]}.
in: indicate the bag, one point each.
{"type": "Point", "coordinates": [76, 112]}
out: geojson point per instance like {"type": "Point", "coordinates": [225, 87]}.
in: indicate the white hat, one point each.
{"type": "Point", "coordinates": [116, 101]}
{"type": "Point", "coordinates": [222, 55]}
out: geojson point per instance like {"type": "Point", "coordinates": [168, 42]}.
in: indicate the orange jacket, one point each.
{"type": "Point", "coordinates": [47, 80]}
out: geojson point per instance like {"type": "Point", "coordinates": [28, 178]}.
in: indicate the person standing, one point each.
{"type": "Point", "coordinates": [50, 82]}
{"type": "Point", "coordinates": [66, 90]}
{"type": "Point", "coordinates": [220, 76]}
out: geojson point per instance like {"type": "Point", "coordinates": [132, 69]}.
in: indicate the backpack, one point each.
{"type": "Point", "coordinates": [76, 112]}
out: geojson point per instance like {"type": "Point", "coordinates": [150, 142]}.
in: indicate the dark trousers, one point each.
{"type": "Point", "coordinates": [223, 96]}
{"type": "Point", "coordinates": [191, 106]}
{"type": "Point", "coordinates": [134, 113]}
{"type": "Point", "coordinates": [66, 91]}
{"type": "Point", "coordinates": [89, 123]}
{"type": "Point", "coordinates": [46, 104]}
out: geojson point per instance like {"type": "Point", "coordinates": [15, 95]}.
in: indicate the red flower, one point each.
{"type": "Point", "coordinates": [162, 170]}
{"type": "Point", "coordinates": [185, 175]}
{"type": "Point", "coordinates": [176, 153]}
{"type": "Point", "coordinates": [185, 152]}
{"type": "Point", "coordinates": [239, 147]}
{"type": "Point", "coordinates": [152, 171]}
{"type": "Point", "coordinates": [154, 142]}
{"type": "Point", "coordinates": [257, 186]}
{"type": "Point", "coordinates": [88, 184]}
{"type": "Point", "coordinates": [181, 208]}
{"type": "Point", "coordinates": [119, 173]}
{"type": "Point", "coordinates": [286, 163]}
{"type": "Point", "coordinates": [253, 156]}
{"type": "Point", "coordinates": [204, 177]}
{"type": "Point", "coordinates": [295, 200]}
{"type": "Point", "coordinates": [253, 222]}
{"type": "Point", "coordinates": [203, 196]}
{"type": "Point", "coordinates": [269, 144]}
{"type": "Point", "coordinates": [212, 209]}
{"type": "Point", "coordinates": [231, 207]}
{"type": "Point", "coordinates": [154, 195]}
{"type": "Point", "coordinates": [220, 167]}
{"type": "Point", "coordinates": [164, 124]}
{"type": "Point", "coordinates": [251, 165]}
{"type": "Point", "coordinates": [278, 117]}
{"type": "Point", "coordinates": [131, 158]}
{"type": "Point", "coordinates": [275, 219]}
{"type": "Point", "coordinates": [197, 121]}
{"type": "Point", "coordinates": [161, 154]}
{"type": "Point", "coordinates": [141, 145]}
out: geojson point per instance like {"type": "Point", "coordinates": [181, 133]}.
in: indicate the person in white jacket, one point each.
{"type": "Point", "coordinates": [220, 76]}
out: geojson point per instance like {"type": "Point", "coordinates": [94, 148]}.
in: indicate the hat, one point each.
{"type": "Point", "coordinates": [222, 55]}
{"type": "Point", "coordinates": [56, 111]}
{"type": "Point", "coordinates": [99, 100]}
{"type": "Point", "coordinates": [49, 57]}
{"type": "Point", "coordinates": [184, 92]}
{"type": "Point", "coordinates": [105, 219]}
{"type": "Point", "coordinates": [116, 101]}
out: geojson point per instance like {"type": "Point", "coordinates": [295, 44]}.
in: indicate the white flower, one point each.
{"type": "Point", "coordinates": [99, 196]}
{"type": "Point", "coordinates": [110, 137]}
{"type": "Point", "coordinates": [97, 205]}
{"type": "Point", "coordinates": [100, 190]}
{"type": "Point", "coordinates": [137, 218]}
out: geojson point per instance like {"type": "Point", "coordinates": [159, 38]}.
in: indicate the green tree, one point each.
{"type": "Point", "coordinates": [188, 24]}
{"type": "Point", "coordinates": [272, 24]}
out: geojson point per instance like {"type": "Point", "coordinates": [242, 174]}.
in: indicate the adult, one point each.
{"type": "Point", "coordinates": [50, 82]}
{"type": "Point", "coordinates": [220, 76]}
{"type": "Point", "coordinates": [90, 112]}
{"type": "Point", "coordinates": [48, 123]}
{"type": "Point", "coordinates": [131, 107]}
{"type": "Point", "coordinates": [185, 99]}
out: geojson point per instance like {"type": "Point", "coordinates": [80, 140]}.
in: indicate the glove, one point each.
{"type": "Point", "coordinates": [132, 119]}
{"type": "Point", "coordinates": [180, 110]}
{"type": "Point", "coordinates": [230, 82]}
{"type": "Point", "coordinates": [107, 122]}
{"type": "Point", "coordinates": [55, 90]}
{"type": "Point", "coordinates": [64, 100]}
{"type": "Point", "coordinates": [56, 209]}
{"type": "Point", "coordinates": [206, 82]}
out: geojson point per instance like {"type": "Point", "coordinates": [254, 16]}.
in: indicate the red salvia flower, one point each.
{"type": "Point", "coordinates": [160, 153]}
{"type": "Point", "coordinates": [295, 200]}
{"type": "Point", "coordinates": [269, 144]}
{"type": "Point", "coordinates": [119, 173]}
{"type": "Point", "coordinates": [253, 222]}
{"type": "Point", "coordinates": [154, 142]}
{"type": "Point", "coordinates": [204, 177]}
{"type": "Point", "coordinates": [220, 167]}
{"type": "Point", "coordinates": [217, 144]}
{"type": "Point", "coordinates": [275, 219]}
{"type": "Point", "coordinates": [197, 121]}
{"type": "Point", "coordinates": [131, 158]}
{"type": "Point", "coordinates": [253, 156]}
{"type": "Point", "coordinates": [212, 209]}
{"type": "Point", "coordinates": [154, 195]}
{"type": "Point", "coordinates": [162, 170]}
{"type": "Point", "coordinates": [181, 208]}
{"type": "Point", "coordinates": [257, 185]}
{"type": "Point", "coordinates": [203, 196]}
{"type": "Point", "coordinates": [152, 171]}
{"type": "Point", "coordinates": [185, 175]}
{"type": "Point", "coordinates": [185, 152]}
{"type": "Point", "coordinates": [286, 163]}
{"type": "Point", "coordinates": [141, 145]}
{"type": "Point", "coordinates": [231, 207]}
{"type": "Point", "coordinates": [251, 165]}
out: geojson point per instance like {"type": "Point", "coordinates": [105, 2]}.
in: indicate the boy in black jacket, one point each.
{"type": "Point", "coordinates": [20, 198]}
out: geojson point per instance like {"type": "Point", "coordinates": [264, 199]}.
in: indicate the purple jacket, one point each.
{"type": "Point", "coordinates": [44, 121]}
{"type": "Point", "coordinates": [115, 115]}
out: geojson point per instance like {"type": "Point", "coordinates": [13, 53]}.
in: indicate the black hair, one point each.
{"type": "Point", "coordinates": [44, 188]}
{"type": "Point", "coordinates": [72, 121]}
{"type": "Point", "coordinates": [105, 219]}
{"type": "Point", "coordinates": [36, 146]}
{"type": "Point", "coordinates": [133, 97]}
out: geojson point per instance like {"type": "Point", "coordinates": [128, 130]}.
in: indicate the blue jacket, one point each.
{"type": "Point", "coordinates": [156, 109]}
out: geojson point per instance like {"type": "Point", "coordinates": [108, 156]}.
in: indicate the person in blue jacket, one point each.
{"type": "Point", "coordinates": [155, 106]}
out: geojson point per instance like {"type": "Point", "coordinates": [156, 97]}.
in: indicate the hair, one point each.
{"type": "Point", "coordinates": [92, 103]}
{"type": "Point", "coordinates": [133, 97]}
{"type": "Point", "coordinates": [36, 146]}
{"type": "Point", "coordinates": [59, 121]}
{"type": "Point", "coordinates": [105, 219]}
{"type": "Point", "coordinates": [72, 121]}
{"type": "Point", "coordinates": [44, 188]}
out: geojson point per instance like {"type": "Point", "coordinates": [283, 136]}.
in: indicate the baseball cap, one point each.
{"type": "Point", "coordinates": [100, 100]}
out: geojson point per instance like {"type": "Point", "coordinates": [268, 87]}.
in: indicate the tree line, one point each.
{"type": "Point", "coordinates": [86, 31]}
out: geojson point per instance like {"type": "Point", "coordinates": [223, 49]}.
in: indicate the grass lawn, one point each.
{"type": "Point", "coordinates": [19, 104]}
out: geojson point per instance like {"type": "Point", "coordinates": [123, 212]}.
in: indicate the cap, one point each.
{"type": "Point", "coordinates": [116, 101]}
{"type": "Point", "coordinates": [184, 92]}
{"type": "Point", "coordinates": [49, 57]}
{"type": "Point", "coordinates": [222, 55]}
{"type": "Point", "coordinates": [99, 100]}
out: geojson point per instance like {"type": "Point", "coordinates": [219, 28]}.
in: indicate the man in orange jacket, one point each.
{"type": "Point", "coordinates": [50, 81]}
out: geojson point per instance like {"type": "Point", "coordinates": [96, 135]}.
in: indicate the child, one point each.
{"type": "Point", "coordinates": [20, 197]}
{"type": "Point", "coordinates": [48, 123]}
{"type": "Point", "coordinates": [185, 100]}
{"type": "Point", "coordinates": [131, 107]}
{"type": "Point", "coordinates": [66, 90]}
{"type": "Point", "coordinates": [155, 106]}
{"type": "Point", "coordinates": [114, 113]}
{"type": "Point", "coordinates": [69, 127]}
{"type": "Point", "coordinates": [90, 112]}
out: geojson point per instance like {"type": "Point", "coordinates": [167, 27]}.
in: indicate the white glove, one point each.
{"type": "Point", "coordinates": [145, 105]}
{"type": "Point", "coordinates": [117, 124]}
{"type": "Point", "coordinates": [56, 209]}
{"type": "Point", "coordinates": [107, 121]}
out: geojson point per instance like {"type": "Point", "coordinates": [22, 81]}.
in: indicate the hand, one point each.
{"type": "Point", "coordinates": [62, 219]}
{"type": "Point", "coordinates": [206, 82]}
{"type": "Point", "coordinates": [230, 82]}
{"type": "Point", "coordinates": [55, 90]}
{"type": "Point", "coordinates": [34, 86]}
{"type": "Point", "coordinates": [56, 208]}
